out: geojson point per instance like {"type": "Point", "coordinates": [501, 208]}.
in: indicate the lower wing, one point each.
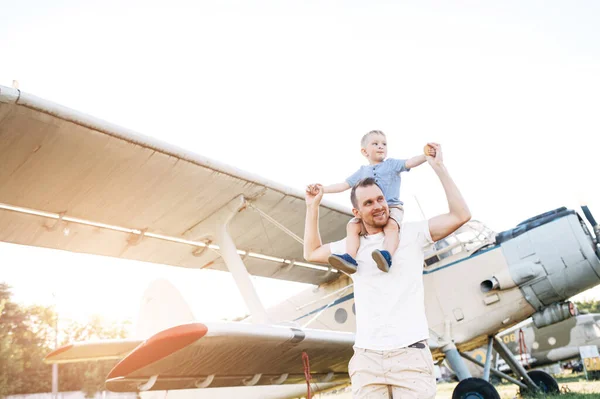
{"type": "Point", "coordinates": [200, 355]}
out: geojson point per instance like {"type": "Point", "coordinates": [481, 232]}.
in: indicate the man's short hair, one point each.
{"type": "Point", "coordinates": [365, 138]}
{"type": "Point", "coordinates": [366, 182]}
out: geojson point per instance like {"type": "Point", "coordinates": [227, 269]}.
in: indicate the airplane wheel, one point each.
{"type": "Point", "coordinates": [545, 381]}
{"type": "Point", "coordinates": [475, 388]}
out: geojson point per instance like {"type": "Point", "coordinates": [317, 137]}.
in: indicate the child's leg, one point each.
{"type": "Point", "coordinates": [391, 236]}
{"type": "Point", "coordinates": [391, 240]}
{"type": "Point", "coordinates": [353, 237]}
{"type": "Point", "coordinates": [346, 262]}
{"type": "Point", "coordinates": [393, 226]}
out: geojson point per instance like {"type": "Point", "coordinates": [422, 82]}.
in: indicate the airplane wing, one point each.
{"type": "Point", "coordinates": [73, 182]}
{"type": "Point", "coordinates": [230, 354]}
{"type": "Point", "coordinates": [93, 350]}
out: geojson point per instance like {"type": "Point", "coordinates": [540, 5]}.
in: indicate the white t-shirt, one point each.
{"type": "Point", "coordinates": [390, 307]}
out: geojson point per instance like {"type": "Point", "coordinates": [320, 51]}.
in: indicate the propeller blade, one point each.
{"type": "Point", "coordinates": [588, 215]}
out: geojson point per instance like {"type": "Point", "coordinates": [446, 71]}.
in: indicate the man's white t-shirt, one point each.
{"type": "Point", "coordinates": [390, 307]}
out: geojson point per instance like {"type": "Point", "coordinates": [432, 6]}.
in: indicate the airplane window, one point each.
{"type": "Point", "coordinates": [441, 244]}
{"type": "Point", "coordinates": [468, 238]}
{"type": "Point", "coordinates": [341, 315]}
{"type": "Point", "coordinates": [430, 261]}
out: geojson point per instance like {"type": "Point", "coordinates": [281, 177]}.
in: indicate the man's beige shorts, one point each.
{"type": "Point", "coordinates": [399, 373]}
{"type": "Point", "coordinates": [396, 213]}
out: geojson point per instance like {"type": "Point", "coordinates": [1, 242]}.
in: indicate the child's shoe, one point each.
{"type": "Point", "coordinates": [383, 260]}
{"type": "Point", "coordinates": [345, 263]}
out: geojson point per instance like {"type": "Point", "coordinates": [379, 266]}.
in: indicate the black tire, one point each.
{"type": "Point", "coordinates": [543, 380]}
{"type": "Point", "coordinates": [475, 388]}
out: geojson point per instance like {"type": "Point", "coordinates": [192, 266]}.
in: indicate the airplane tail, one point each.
{"type": "Point", "coordinates": [162, 306]}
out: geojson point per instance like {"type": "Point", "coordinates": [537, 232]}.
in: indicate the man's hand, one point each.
{"type": "Point", "coordinates": [442, 225]}
{"type": "Point", "coordinates": [314, 194]}
{"type": "Point", "coordinates": [438, 160]}
{"type": "Point", "coordinates": [314, 250]}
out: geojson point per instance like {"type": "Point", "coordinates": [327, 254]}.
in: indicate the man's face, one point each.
{"type": "Point", "coordinates": [372, 206]}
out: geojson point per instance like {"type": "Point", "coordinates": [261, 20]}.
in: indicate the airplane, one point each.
{"type": "Point", "coordinates": [538, 347]}
{"type": "Point", "coordinates": [72, 182]}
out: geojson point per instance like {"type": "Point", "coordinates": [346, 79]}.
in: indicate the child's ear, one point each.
{"type": "Point", "coordinates": [363, 151]}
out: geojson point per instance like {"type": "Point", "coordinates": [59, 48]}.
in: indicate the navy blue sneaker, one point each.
{"type": "Point", "coordinates": [345, 263]}
{"type": "Point", "coordinates": [383, 260]}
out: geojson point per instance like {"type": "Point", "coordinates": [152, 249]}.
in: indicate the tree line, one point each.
{"type": "Point", "coordinates": [28, 333]}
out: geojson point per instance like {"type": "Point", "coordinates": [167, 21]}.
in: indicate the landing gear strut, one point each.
{"type": "Point", "coordinates": [480, 388]}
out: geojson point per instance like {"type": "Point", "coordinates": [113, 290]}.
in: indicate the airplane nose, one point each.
{"type": "Point", "coordinates": [550, 257]}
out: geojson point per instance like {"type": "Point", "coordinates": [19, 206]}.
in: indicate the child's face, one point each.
{"type": "Point", "coordinates": [376, 149]}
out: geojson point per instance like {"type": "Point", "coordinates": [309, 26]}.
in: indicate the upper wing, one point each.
{"type": "Point", "coordinates": [70, 181]}
{"type": "Point", "coordinates": [231, 354]}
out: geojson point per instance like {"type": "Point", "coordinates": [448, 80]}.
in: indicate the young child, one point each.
{"type": "Point", "coordinates": [386, 173]}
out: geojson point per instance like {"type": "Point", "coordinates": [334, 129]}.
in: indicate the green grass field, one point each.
{"type": "Point", "coordinates": [573, 386]}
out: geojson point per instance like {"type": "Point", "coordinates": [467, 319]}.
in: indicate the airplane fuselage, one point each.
{"type": "Point", "coordinates": [541, 262]}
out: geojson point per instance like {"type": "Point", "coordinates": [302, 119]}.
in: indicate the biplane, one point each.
{"type": "Point", "coordinates": [72, 182]}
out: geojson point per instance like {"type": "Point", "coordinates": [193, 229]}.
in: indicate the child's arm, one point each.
{"type": "Point", "coordinates": [332, 188]}
{"type": "Point", "coordinates": [415, 161]}
{"type": "Point", "coordinates": [336, 188]}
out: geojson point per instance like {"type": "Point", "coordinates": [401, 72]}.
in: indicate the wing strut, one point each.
{"type": "Point", "coordinates": [276, 223]}
{"type": "Point", "coordinates": [234, 263]}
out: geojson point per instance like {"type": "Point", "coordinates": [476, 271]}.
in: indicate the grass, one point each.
{"type": "Point", "coordinates": [574, 386]}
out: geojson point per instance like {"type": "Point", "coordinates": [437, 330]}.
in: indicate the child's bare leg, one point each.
{"type": "Point", "coordinates": [353, 238]}
{"type": "Point", "coordinates": [347, 262]}
{"type": "Point", "coordinates": [383, 258]}
{"type": "Point", "coordinates": [391, 236]}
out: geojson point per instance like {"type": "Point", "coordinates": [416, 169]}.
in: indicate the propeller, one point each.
{"type": "Point", "coordinates": [590, 218]}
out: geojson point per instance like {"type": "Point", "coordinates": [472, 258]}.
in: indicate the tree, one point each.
{"type": "Point", "coordinates": [23, 345]}
{"type": "Point", "coordinates": [89, 376]}
{"type": "Point", "coordinates": [27, 335]}
{"type": "Point", "coordinates": [588, 306]}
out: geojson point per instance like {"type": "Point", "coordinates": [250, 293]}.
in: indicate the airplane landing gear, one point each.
{"type": "Point", "coordinates": [475, 388]}
{"type": "Point", "coordinates": [468, 387]}
{"type": "Point", "coordinates": [543, 380]}
{"type": "Point", "coordinates": [530, 383]}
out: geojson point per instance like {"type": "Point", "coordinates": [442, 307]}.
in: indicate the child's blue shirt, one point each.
{"type": "Point", "coordinates": [387, 176]}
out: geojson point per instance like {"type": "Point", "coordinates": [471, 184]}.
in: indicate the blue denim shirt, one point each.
{"type": "Point", "coordinates": [386, 174]}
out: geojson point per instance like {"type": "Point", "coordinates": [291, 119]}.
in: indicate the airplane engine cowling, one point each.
{"type": "Point", "coordinates": [551, 257]}
{"type": "Point", "coordinates": [554, 313]}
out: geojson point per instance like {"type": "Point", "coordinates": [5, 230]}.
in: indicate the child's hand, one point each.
{"type": "Point", "coordinates": [314, 194]}
{"type": "Point", "coordinates": [314, 188]}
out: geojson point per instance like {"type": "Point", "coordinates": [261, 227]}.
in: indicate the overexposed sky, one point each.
{"type": "Point", "coordinates": [285, 90]}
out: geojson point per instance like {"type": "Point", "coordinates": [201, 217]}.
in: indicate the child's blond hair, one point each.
{"type": "Point", "coordinates": [365, 138]}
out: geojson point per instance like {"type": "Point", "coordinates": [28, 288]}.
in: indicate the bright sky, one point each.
{"type": "Point", "coordinates": [285, 90]}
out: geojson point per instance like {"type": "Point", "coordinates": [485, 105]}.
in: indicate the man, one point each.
{"type": "Point", "coordinates": [391, 355]}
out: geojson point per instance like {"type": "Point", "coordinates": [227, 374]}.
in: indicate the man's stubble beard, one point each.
{"type": "Point", "coordinates": [375, 224]}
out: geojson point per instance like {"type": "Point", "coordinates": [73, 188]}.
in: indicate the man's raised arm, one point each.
{"type": "Point", "coordinates": [314, 250]}
{"type": "Point", "coordinates": [443, 225]}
